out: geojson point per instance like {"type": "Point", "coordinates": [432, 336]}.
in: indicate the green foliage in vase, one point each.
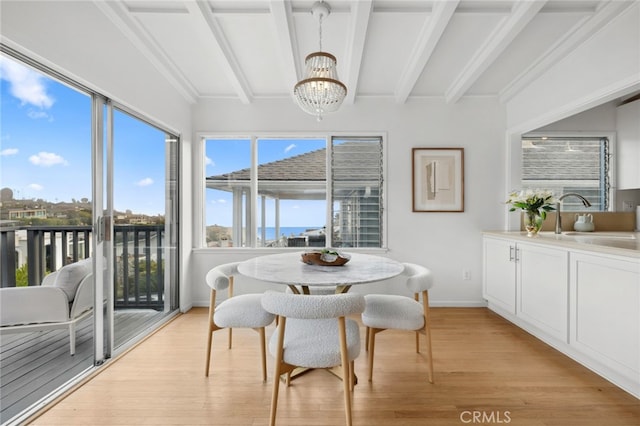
{"type": "Point", "coordinates": [535, 201]}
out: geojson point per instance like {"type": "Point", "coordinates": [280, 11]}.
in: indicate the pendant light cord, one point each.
{"type": "Point", "coordinates": [320, 31]}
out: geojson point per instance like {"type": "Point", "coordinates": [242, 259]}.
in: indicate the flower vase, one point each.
{"type": "Point", "coordinates": [532, 223]}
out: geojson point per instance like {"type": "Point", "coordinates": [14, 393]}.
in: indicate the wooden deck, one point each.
{"type": "Point", "coordinates": [485, 368]}
{"type": "Point", "coordinates": [32, 365]}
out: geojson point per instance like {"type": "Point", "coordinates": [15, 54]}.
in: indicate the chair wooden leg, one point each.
{"type": "Point", "coordinates": [263, 351]}
{"type": "Point", "coordinates": [352, 375]}
{"type": "Point", "coordinates": [278, 372]}
{"type": "Point", "coordinates": [417, 342]}
{"type": "Point", "coordinates": [427, 331]}
{"type": "Point", "coordinates": [366, 338]}
{"type": "Point", "coordinates": [345, 369]}
{"type": "Point", "coordinates": [372, 345]}
{"type": "Point", "coordinates": [230, 295]}
{"type": "Point", "coordinates": [212, 302]}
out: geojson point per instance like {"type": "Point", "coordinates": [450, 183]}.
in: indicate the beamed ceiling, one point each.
{"type": "Point", "coordinates": [398, 49]}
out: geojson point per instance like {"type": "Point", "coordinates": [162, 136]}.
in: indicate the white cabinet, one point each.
{"type": "Point", "coordinates": [543, 289]}
{"type": "Point", "coordinates": [628, 145]}
{"type": "Point", "coordinates": [585, 304]}
{"type": "Point", "coordinates": [605, 315]}
{"type": "Point", "coordinates": [529, 281]}
{"type": "Point", "coordinates": [499, 274]}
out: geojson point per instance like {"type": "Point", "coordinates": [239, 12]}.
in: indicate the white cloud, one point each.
{"type": "Point", "coordinates": [145, 182]}
{"type": "Point", "coordinates": [290, 147]}
{"type": "Point", "coordinates": [35, 186]}
{"type": "Point", "coordinates": [9, 151]}
{"type": "Point", "coordinates": [38, 114]}
{"type": "Point", "coordinates": [208, 161]}
{"type": "Point", "coordinates": [25, 84]}
{"type": "Point", "coordinates": [47, 159]}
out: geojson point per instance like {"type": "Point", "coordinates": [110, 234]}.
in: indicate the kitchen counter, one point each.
{"type": "Point", "coordinates": [616, 243]}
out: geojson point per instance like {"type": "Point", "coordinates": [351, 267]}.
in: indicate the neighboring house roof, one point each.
{"type": "Point", "coordinates": [303, 176]}
{"type": "Point", "coordinates": [309, 166]}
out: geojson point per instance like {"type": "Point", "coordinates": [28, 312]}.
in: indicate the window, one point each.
{"type": "Point", "coordinates": [568, 164]}
{"type": "Point", "coordinates": [296, 192]}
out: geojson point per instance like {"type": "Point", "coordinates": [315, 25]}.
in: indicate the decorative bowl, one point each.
{"type": "Point", "coordinates": [325, 258]}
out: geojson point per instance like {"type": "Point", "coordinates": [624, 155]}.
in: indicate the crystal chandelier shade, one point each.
{"type": "Point", "coordinates": [320, 91]}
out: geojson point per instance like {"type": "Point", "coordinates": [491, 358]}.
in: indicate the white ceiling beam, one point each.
{"type": "Point", "coordinates": [120, 16]}
{"type": "Point", "coordinates": [500, 38]}
{"type": "Point", "coordinates": [201, 12]}
{"type": "Point", "coordinates": [356, 40]}
{"type": "Point", "coordinates": [287, 42]}
{"type": "Point", "coordinates": [580, 32]}
{"type": "Point", "coordinates": [426, 43]}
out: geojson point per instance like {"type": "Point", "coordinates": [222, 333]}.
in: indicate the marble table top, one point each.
{"type": "Point", "coordinates": [288, 269]}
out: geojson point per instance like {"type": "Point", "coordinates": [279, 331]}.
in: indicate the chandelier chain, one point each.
{"type": "Point", "coordinates": [320, 32]}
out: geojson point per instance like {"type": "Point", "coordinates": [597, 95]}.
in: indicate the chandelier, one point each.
{"type": "Point", "coordinates": [320, 91]}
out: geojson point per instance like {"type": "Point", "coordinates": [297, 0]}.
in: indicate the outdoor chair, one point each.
{"type": "Point", "coordinates": [384, 311]}
{"type": "Point", "coordinates": [313, 332]}
{"type": "Point", "coordinates": [241, 311]}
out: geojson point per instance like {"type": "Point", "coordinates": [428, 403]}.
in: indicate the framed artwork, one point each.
{"type": "Point", "coordinates": [438, 179]}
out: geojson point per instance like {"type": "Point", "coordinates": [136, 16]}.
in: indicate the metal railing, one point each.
{"type": "Point", "coordinates": [138, 258]}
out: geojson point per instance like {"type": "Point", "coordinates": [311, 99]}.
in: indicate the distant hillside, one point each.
{"type": "Point", "coordinates": [76, 212]}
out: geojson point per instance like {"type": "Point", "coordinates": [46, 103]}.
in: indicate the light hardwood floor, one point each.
{"type": "Point", "coordinates": [484, 367]}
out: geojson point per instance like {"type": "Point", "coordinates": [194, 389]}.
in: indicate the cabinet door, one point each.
{"type": "Point", "coordinates": [499, 280]}
{"type": "Point", "coordinates": [628, 145]}
{"type": "Point", "coordinates": [605, 312]}
{"type": "Point", "coordinates": [543, 288]}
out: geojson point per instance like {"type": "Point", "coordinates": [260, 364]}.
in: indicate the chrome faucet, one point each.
{"type": "Point", "coordinates": [558, 220]}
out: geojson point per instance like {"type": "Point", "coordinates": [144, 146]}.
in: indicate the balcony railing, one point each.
{"type": "Point", "coordinates": [138, 258]}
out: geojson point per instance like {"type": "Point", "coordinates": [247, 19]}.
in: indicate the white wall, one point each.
{"type": "Point", "coordinates": [447, 243]}
{"type": "Point", "coordinates": [603, 68]}
{"type": "Point", "coordinates": [599, 119]}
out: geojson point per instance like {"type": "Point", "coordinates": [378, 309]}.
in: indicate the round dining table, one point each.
{"type": "Point", "coordinates": [289, 269]}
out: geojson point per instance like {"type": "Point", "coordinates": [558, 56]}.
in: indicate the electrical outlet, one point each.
{"type": "Point", "coordinates": [627, 206]}
{"type": "Point", "coordinates": [466, 275]}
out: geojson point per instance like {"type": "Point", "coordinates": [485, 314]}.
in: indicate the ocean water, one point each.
{"type": "Point", "coordinates": [287, 231]}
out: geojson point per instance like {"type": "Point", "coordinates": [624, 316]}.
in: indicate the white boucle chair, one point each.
{"type": "Point", "coordinates": [64, 298]}
{"type": "Point", "coordinates": [241, 311]}
{"type": "Point", "coordinates": [313, 332]}
{"type": "Point", "coordinates": [384, 311]}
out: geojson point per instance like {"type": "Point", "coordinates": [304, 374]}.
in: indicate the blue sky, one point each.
{"type": "Point", "coordinates": [45, 153]}
{"type": "Point", "coordinates": [45, 145]}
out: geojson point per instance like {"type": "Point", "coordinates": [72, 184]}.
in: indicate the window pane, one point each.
{"type": "Point", "coordinates": [291, 192]}
{"type": "Point", "coordinates": [357, 192]}
{"type": "Point", "coordinates": [227, 167]}
{"type": "Point", "coordinates": [290, 202]}
{"type": "Point", "coordinates": [568, 165]}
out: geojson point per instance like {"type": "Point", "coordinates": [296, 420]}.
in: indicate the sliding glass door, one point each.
{"type": "Point", "coordinates": [141, 178]}
{"type": "Point", "coordinates": [81, 177]}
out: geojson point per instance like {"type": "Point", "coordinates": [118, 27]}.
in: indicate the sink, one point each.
{"type": "Point", "coordinates": [619, 235]}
